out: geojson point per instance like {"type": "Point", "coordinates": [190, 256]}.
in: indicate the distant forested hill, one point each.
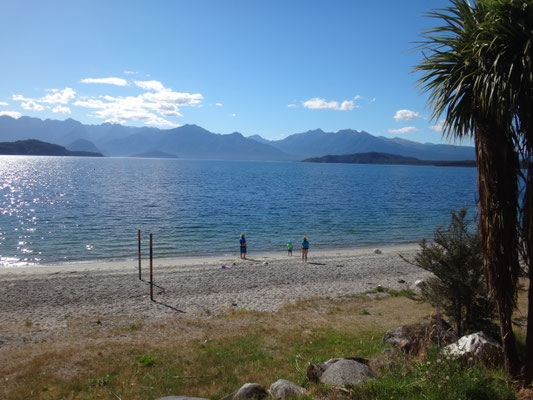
{"type": "Point", "coordinates": [386, 158]}
{"type": "Point", "coordinates": [34, 147]}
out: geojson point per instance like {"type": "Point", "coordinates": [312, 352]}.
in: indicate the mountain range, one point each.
{"type": "Point", "coordinates": [192, 141]}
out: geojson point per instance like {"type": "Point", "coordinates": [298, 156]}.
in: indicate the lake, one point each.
{"type": "Point", "coordinates": [71, 209]}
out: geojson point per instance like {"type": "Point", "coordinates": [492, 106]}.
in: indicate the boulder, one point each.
{"type": "Point", "coordinates": [282, 389]}
{"type": "Point", "coordinates": [341, 371]}
{"type": "Point", "coordinates": [477, 346]}
{"type": "Point", "coordinates": [248, 391]}
{"type": "Point", "coordinates": [377, 251]}
{"type": "Point", "coordinates": [347, 372]}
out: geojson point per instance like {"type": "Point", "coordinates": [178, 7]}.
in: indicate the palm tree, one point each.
{"type": "Point", "coordinates": [507, 47]}
{"type": "Point", "coordinates": [457, 75]}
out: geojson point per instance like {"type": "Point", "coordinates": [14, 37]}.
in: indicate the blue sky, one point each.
{"type": "Point", "coordinates": [271, 68]}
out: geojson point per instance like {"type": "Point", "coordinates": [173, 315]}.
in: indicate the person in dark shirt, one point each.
{"type": "Point", "coordinates": [243, 246]}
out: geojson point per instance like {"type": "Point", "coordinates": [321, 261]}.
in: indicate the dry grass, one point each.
{"type": "Point", "coordinates": [124, 358]}
{"type": "Point", "coordinates": [205, 357]}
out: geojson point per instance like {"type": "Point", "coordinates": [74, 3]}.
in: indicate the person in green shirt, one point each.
{"type": "Point", "coordinates": [289, 248]}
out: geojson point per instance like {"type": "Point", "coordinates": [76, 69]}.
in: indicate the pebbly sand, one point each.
{"type": "Point", "coordinates": [50, 296]}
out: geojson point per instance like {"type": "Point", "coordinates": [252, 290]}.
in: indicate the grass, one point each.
{"type": "Point", "coordinates": [439, 379]}
{"type": "Point", "coordinates": [394, 293]}
{"type": "Point", "coordinates": [213, 356]}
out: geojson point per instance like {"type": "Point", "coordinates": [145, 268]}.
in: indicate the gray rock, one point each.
{"type": "Point", "coordinates": [477, 346]}
{"type": "Point", "coordinates": [347, 372]}
{"type": "Point", "coordinates": [282, 389]}
{"type": "Point", "coordinates": [377, 251]}
{"type": "Point", "coordinates": [180, 398]}
{"type": "Point", "coordinates": [248, 391]}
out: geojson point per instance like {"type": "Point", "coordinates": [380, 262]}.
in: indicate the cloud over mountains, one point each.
{"type": "Point", "coordinates": [153, 106]}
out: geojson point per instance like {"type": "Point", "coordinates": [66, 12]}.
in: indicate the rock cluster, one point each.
{"type": "Point", "coordinates": [337, 372]}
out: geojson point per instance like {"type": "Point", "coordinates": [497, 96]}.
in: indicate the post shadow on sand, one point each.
{"type": "Point", "coordinates": [155, 285]}
{"type": "Point", "coordinates": [316, 263]}
{"type": "Point", "coordinates": [169, 307]}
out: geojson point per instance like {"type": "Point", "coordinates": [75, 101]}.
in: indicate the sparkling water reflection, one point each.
{"type": "Point", "coordinates": [56, 209]}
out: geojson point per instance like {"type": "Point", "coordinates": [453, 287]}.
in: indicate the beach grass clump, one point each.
{"type": "Point", "coordinates": [436, 378]}
{"type": "Point", "coordinates": [409, 293]}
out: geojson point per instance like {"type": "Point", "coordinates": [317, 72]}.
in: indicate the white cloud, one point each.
{"type": "Point", "coordinates": [178, 98]}
{"type": "Point", "coordinates": [59, 96]}
{"type": "Point", "coordinates": [123, 109]}
{"type": "Point", "coordinates": [131, 72]}
{"type": "Point", "coordinates": [19, 97]}
{"type": "Point", "coordinates": [61, 110]}
{"type": "Point", "coordinates": [144, 107]}
{"type": "Point", "coordinates": [218, 104]}
{"type": "Point", "coordinates": [406, 129]}
{"type": "Point", "coordinates": [3, 103]}
{"type": "Point", "coordinates": [405, 115]}
{"type": "Point", "coordinates": [321, 104]}
{"type": "Point", "coordinates": [107, 81]}
{"type": "Point", "coordinates": [292, 106]}
{"type": "Point", "coordinates": [233, 115]}
{"type": "Point", "coordinates": [357, 97]}
{"type": "Point", "coordinates": [438, 126]}
{"type": "Point", "coordinates": [151, 85]}
{"type": "Point", "coordinates": [12, 114]}
{"type": "Point", "coordinates": [151, 107]}
{"type": "Point", "coordinates": [32, 105]}
{"type": "Point", "coordinates": [90, 103]}
{"type": "Point", "coordinates": [373, 100]}
{"type": "Point", "coordinates": [346, 106]}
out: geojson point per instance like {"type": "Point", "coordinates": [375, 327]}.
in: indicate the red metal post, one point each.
{"type": "Point", "coordinates": [151, 272]}
{"type": "Point", "coordinates": [139, 236]}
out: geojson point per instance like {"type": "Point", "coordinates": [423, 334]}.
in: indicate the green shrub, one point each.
{"type": "Point", "coordinates": [458, 286]}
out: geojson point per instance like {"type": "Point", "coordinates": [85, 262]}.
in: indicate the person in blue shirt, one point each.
{"type": "Point", "coordinates": [305, 248]}
{"type": "Point", "coordinates": [243, 246]}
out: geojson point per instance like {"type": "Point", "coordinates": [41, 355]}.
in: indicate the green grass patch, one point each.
{"type": "Point", "coordinates": [325, 343]}
{"type": "Point", "coordinates": [437, 378]}
{"type": "Point", "coordinates": [146, 360]}
{"type": "Point", "coordinates": [410, 294]}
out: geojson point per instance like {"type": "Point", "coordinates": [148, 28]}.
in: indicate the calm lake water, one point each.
{"type": "Point", "coordinates": [58, 209]}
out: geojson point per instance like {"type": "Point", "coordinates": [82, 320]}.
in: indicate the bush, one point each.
{"type": "Point", "coordinates": [458, 286]}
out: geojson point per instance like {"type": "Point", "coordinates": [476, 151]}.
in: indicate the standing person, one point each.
{"type": "Point", "coordinates": [289, 248]}
{"type": "Point", "coordinates": [243, 246]}
{"type": "Point", "coordinates": [305, 248]}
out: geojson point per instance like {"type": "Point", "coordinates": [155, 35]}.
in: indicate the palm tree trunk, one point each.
{"type": "Point", "coordinates": [528, 240]}
{"type": "Point", "coordinates": [497, 165]}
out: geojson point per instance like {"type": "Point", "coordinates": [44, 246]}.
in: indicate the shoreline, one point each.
{"type": "Point", "coordinates": [95, 265]}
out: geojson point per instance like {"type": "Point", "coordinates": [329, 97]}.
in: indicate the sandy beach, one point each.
{"type": "Point", "coordinates": [50, 296]}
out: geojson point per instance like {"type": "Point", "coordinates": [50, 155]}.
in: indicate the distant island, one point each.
{"type": "Point", "coordinates": [386, 158]}
{"type": "Point", "coordinates": [33, 147]}
{"type": "Point", "coordinates": [154, 154]}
